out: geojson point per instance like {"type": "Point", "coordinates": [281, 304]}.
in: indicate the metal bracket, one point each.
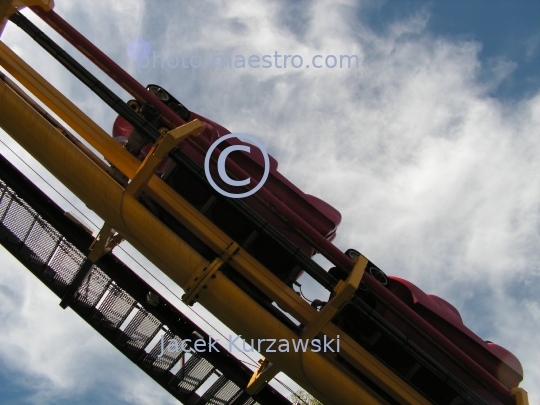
{"type": "Point", "coordinates": [161, 148]}
{"type": "Point", "coordinates": [344, 291]}
{"type": "Point", "coordinates": [8, 7]}
{"type": "Point", "coordinates": [262, 376]}
{"type": "Point", "coordinates": [106, 240]}
{"type": "Point", "coordinates": [201, 279]}
{"type": "Point", "coordinates": [521, 396]}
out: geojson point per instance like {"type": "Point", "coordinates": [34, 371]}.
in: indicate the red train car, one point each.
{"type": "Point", "coordinates": [322, 217]}
{"type": "Point", "coordinates": [445, 317]}
{"type": "Point", "coordinates": [319, 214]}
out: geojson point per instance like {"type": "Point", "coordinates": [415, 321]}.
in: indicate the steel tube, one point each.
{"type": "Point", "coordinates": [128, 83]}
{"type": "Point", "coordinates": [111, 150]}
{"type": "Point", "coordinates": [170, 253]}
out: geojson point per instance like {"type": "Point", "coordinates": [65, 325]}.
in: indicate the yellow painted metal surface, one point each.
{"type": "Point", "coordinates": [161, 246]}
{"type": "Point", "coordinates": [104, 242]}
{"type": "Point", "coordinates": [8, 7]}
{"type": "Point", "coordinates": [201, 280]}
{"type": "Point", "coordinates": [171, 254]}
{"type": "Point", "coordinates": [262, 376]}
{"type": "Point", "coordinates": [161, 148]}
{"type": "Point", "coordinates": [67, 111]}
{"type": "Point", "coordinates": [522, 398]}
{"type": "Point", "coordinates": [344, 292]}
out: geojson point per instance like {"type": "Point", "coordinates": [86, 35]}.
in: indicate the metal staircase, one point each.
{"type": "Point", "coordinates": [113, 300]}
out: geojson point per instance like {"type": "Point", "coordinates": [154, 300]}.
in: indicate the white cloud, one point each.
{"type": "Point", "coordinates": [435, 179]}
{"type": "Point", "coordinates": [60, 355]}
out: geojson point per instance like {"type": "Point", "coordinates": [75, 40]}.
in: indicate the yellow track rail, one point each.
{"type": "Point", "coordinates": [317, 373]}
{"type": "Point", "coordinates": [92, 181]}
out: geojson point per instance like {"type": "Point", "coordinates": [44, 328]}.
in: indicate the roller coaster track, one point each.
{"type": "Point", "coordinates": [113, 300]}
{"type": "Point", "coordinates": [378, 363]}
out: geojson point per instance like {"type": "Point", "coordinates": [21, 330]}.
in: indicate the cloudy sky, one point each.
{"type": "Point", "coordinates": [428, 148]}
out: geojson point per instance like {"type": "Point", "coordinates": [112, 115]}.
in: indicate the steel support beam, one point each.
{"type": "Point", "coordinates": [202, 227]}
{"type": "Point", "coordinates": [170, 253]}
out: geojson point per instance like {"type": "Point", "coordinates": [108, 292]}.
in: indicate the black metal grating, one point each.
{"type": "Point", "coordinates": [129, 323]}
{"type": "Point", "coordinates": [220, 393]}
{"type": "Point", "coordinates": [93, 287]}
{"type": "Point", "coordinates": [42, 242]}
{"type": "Point", "coordinates": [4, 202]}
{"type": "Point", "coordinates": [169, 358]}
{"type": "Point", "coordinates": [18, 218]}
{"type": "Point", "coordinates": [140, 330]}
{"type": "Point", "coordinates": [250, 401]}
{"type": "Point", "coordinates": [193, 374]}
{"type": "Point", "coordinates": [115, 308]}
{"type": "Point", "coordinates": [65, 263]}
{"type": "Point", "coordinates": [5, 234]}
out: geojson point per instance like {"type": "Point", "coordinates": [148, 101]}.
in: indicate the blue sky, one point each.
{"type": "Point", "coordinates": [429, 149]}
{"type": "Point", "coordinates": [507, 30]}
